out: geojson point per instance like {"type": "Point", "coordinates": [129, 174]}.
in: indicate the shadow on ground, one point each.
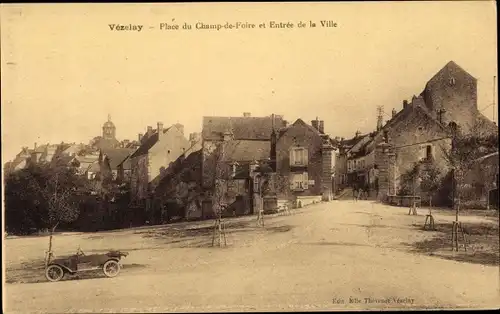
{"type": "Point", "coordinates": [201, 236]}
{"type": "Point", "coordinates": [374, 226]}
{"type": "Point", "coordinates": [482, 243]}
{"type": "Point", "coordinates": [338, 243]}
{"type": "Point", "coordinates": [209, 239]}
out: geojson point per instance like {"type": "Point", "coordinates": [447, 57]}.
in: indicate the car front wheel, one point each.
{"type": "Point", "coordinates": [111, 268]}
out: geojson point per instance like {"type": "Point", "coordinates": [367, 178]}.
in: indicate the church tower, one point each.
{"type": "Point", "coordinates": [109, 129]}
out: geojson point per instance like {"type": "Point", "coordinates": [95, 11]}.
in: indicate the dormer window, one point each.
{"type": "Point", "coordinates": [452, 81]}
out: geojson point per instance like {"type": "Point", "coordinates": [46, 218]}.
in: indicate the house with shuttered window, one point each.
{"type": "Point", "coordinates": [305, 162]}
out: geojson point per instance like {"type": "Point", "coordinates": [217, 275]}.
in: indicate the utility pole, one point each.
{"type": "Point", "coordinates": [494, 100]}
{"type": "Point", "coordinates": [380, 117]}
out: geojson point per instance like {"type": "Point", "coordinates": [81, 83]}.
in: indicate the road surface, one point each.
{"type": "Point", "coordinates": [330, 256]}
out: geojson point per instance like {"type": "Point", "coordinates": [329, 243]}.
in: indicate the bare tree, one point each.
{"type": "Point", "coordinates": [221, 168]}
{"type": "Point", "coordinates": [466, 148]}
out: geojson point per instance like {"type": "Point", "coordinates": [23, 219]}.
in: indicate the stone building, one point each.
{"type": "Point", "coordinates": [299, 160]}
{"type": "Point", "coordinates": [305, 161]}
{"type": "Point", "coordinates": [159, 149]}
{"type": "Point", "coordinates": [230, 147]}
{"type": "Point", "coordinates": [422, 129]}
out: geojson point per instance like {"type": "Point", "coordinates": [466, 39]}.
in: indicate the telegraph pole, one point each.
{"type": "Point", "coordinates": [494, 100]}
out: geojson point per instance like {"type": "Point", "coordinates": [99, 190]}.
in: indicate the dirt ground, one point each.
{"type": "Point", "coordinates": [328, 256]}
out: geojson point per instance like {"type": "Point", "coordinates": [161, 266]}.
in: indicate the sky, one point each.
{"type": "Point", "coordinates": [63, 70]}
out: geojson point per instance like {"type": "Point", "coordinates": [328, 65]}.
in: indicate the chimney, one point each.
{"type": "Point", "coordinates": [357, 134]}
{"type": "Point", "coordinates": [247, 114]}
{"type": "Point", "coordinates": [315, 124]}
{"type": "Point", "coordinates": [440, 114]}
{"type": "Point", "coordinates": [193, 138]}
{"type": "Point", "coordinates": [394, 112]}
{"type": "Point", "coordinates": [180, 127]}
{"type": "Point", "coordinates": [140, 137]}
{"type": "Point", "coordinates": [321, 126]}
{"type": "Point", "coordinates": [285, 123]}
{"type": "Point", "coordinates": [380, 119]}
{"type": "Point", "coordinates": [405, 104]}
{"type": "Point", "coordinates": [160, 129]}
{"type": "Point", "coordinates": [35, 145]}
{"type": "Point", "coordinates": [150, 130]}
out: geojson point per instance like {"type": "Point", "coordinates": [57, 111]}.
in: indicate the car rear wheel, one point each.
{"type": "Point", "coordinates": [54, 273]}
{"type": "Point", "coordinates": [111, 268]}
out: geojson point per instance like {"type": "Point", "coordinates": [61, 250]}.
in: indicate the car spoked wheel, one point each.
{"type": "Point", "coordinates": [54, 273]}
{"type": "Point", "coordinates": [111, 268]}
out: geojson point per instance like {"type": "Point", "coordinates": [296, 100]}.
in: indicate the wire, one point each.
{"type": "Point", "coordinates": [486, 107]}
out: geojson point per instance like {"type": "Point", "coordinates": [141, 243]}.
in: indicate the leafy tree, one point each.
{"type": "Point", "coordinates": [48, 194]}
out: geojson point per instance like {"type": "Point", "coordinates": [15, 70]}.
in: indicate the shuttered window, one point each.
{"type": "Point", "coordinates": [298, 156]}
{"type": "Point", "coordinates": [299, 181]}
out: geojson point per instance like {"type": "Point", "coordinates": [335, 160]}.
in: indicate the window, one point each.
{"type": "Point", "coordinates": [452, 81]}
{"type": "Point", "coordinates": [428, 152]}
{"type": "Point", "coordinates": [299, 181]}
{"type": "Point", "coordinates": [256, 183]}
{"type": "Point", "coordinates": [298, 156]}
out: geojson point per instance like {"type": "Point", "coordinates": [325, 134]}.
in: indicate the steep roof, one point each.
{"type": "Point", "coordinates": [11, 165]}
{"type": "Point", "coordinates": [191, 166]}
{"type": "Point", "coordinates": [148, 143]}
{"type": "Point", "coordinates": [417, 106]}
{"type": "Point", "coordinates": [118, 156]}
{"type": "Point", "coordinates": [452, 67]}
{"type": "Point", "coordinates": [63, 159]}
{"type": "Point", "coordinates": [486, 124]}
{"type": "Point", "coordinates": [246, 151]}
{"type": "Point", "coordinates": [298, 122]}
{"type": "Point", "coordinates": [94, 167]}
{"type": "Point", "coordinates": [243, 128]}
{"type": "Point", "coordinates": [87, 158]}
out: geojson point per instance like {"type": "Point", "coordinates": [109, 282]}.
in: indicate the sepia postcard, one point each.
{"type": "Point", "coordinates": [249, 157]}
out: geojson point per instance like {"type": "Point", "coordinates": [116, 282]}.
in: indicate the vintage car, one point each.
{"type": "Point", "coordinates": [109, 263]}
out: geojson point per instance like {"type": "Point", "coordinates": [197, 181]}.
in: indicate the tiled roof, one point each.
{"type": "Point", "coordinates": [40, 149]}
{"type": "Point", "coordinates": [486, 124]}
{"type": "Point", "coordinates": [117, 156]}
{"type": "Point", "coordinates": [190, 165]}
{"type": "Point", "coordinates": [243, 128]}
{"type": "Point", "coordinates": [247, 150]}
{"type": "Point", "coordinates": [87, 158]}
{"type": "Point", "coordinates": [353, 141]}
{"type": "Point", "coordinates": [94, 167]}
{"type": "Point", "coordinates": [63, 159]}
{"type": "Point", "coordinates": [16, 162]}
{"type": "Point", "coordinates": [298, 122]}
{"type": "Point", "coordinates": [148, 143]}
